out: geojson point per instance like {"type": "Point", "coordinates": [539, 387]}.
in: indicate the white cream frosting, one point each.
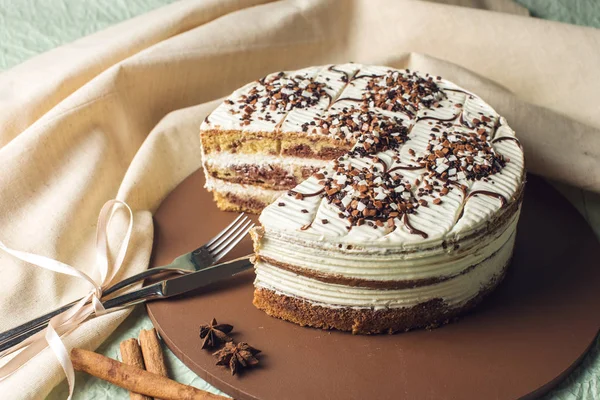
{"type": "Point", "coordinates": [439, 221]}
{"type": "Point", "coordinates": [222, 117]}
{"type": "Point", "coordinates": [454, 292]}
{"type": "Point", "coordinates": [385, 263]}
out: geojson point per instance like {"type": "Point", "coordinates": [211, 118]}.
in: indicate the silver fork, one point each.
{"type": "Point", "coordinates": [204, 256]}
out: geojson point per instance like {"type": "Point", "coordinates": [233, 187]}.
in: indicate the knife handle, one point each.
{"type": "Point", "coordinates": [19, 333]}
{"type": "Point", "coordinates": [151, 292]}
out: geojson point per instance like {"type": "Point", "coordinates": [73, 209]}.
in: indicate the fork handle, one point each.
{"type": "Point", "coordinates": [127, 299]}
{"type": "Point", "coordinates": [13, 341]}
{"type": "Point", "coordinates": [36, 325]}
{"type": "Point", "coordinates": [15, 335]}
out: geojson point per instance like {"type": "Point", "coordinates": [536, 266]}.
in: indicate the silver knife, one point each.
{"type": "Point", "coordinates": [182, 284]}
{"type": "Point", "coordinates": [160, 290]}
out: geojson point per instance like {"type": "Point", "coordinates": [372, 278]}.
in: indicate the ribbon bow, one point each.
{"type": "Point", "coordinates": [68, 321]}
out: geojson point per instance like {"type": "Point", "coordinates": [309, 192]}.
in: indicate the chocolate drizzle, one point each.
{"type": "Point", "coordinates": [366, 76]}
{"type": "Point", "coordinates": [490, 194]}
{"type": "Point", "coordinates": [495, 131]}
{"type": "Point", "coordinates": [463, 122]}
{"type": "Point", "coordinates": [459, 91]}
{"type": "Point", "coordinates": [383, 164]}
{"type": "Point", "coordinates": [406, 167]}
{"type": "Point", "coordinates": [349, 99]}
{"type": "Point", "coordinates": [348, 76]}
{"type": "Point", "coordinates": [305, 227]}
{"type": "Point", "coordinates": [461, 213]}
{"type": "Point", "coordinates": [412, 229]}
{"type": "Point", "coordinates": [495, 195]}
{"type": "Point", "coordinates": [439, 119]}
{"type": "Point", "coordinates": [503, 138]}
{"type": "Point", "coordinates": [303, 195]}
{"type": "Point", "coordinates": [462, 188]}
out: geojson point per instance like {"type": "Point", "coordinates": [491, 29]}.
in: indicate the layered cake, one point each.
{"type": "Point", "coordinates": [405, 199]}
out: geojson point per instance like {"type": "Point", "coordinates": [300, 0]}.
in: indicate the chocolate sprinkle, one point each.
{"type": "Point", "coordinates": [278, 93]}
{"type": "Point", "coordinates": [401, 92]}
{"type": "Point", "coordinates": [456, 155]}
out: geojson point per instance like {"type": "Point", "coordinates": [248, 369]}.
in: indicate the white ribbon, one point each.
{"type": "Point", "coordinates": [66, 322]}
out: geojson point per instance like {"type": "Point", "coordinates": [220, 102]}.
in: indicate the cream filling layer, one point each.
{"type": "Point", "coordinates": [225, 159]}
{"type": "Point", "coordinates": [454, 292]}
{"type": "Point", "coordinates": [244, 191]}
{"type": "Point", "coordinates": [387, 264]}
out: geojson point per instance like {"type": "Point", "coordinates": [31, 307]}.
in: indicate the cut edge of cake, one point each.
{"type": "Point", "coordinates": [289, 154]}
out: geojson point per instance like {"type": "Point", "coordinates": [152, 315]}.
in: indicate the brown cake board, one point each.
{"type": "Point", "coordinates": [522, 340]}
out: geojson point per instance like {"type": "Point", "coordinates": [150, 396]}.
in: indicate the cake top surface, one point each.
{"type": "Point", "coordinates": [429, 161]}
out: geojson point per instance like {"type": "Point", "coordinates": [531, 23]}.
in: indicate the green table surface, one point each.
{"type": "Point", "coordinates": [30, 27]}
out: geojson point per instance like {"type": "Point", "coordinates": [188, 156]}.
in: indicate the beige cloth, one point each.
{"type": "Point", "coordinates": [106, 117]}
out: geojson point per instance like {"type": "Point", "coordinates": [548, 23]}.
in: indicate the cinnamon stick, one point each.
{"type": "Point", "coordinates": [136, 379]}
{"type": "Point", "coordinates": [152, 352]}
{"type": "Point", "coordinates": [131, 354]}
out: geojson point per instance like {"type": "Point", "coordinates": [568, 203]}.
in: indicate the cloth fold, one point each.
{"type": "Point", "coordinates": [106, 266]}
{"type": "Point", "coordinates": [116, 114]}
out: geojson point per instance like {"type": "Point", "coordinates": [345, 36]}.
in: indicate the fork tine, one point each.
{"type": "Point", "coordinates": [232, 242]}
{"type": "Point", "coordinates": [232, 236]}
{"type": "Point", "coordinates": [227, 232]}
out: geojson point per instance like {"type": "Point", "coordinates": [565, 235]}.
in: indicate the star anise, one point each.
{"type": "Point", "coordinates": [237, 356]}
{"type": "Point", "coordinates": [215, 334]}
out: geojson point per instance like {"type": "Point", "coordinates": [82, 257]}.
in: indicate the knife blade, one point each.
{"type": "Point", "coordinates": [182, 284]}
{"type": "Point", "coordinates": [205, 277]}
